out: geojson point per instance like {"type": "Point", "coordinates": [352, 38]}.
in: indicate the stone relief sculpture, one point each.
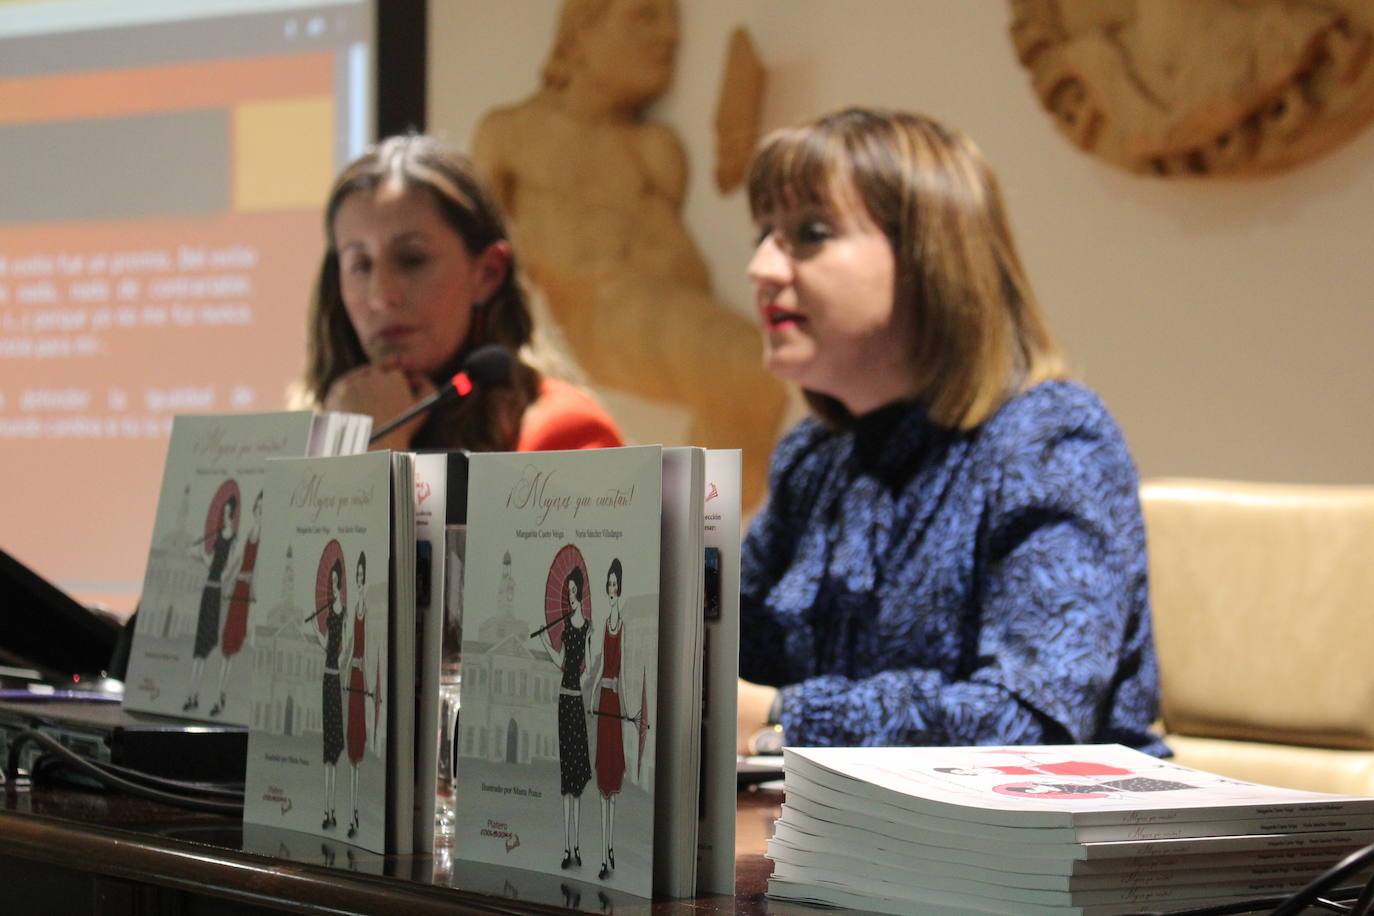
{"type": "Point", "coordinates": [594, 192]}
{"type": "Point", "coordinates": [739, 111]}
{"type": "Point", "coordinates": [1197, 87]}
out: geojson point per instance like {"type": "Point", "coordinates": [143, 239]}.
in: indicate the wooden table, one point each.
{"type": "Point", "coordinates": [67, 851]}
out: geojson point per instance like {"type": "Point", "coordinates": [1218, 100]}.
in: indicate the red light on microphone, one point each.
{"type": "Point", "coordinates": [488, 366]}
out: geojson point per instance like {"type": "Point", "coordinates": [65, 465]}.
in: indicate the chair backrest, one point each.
{"type": "Point", "coordinates": [1263, 604]}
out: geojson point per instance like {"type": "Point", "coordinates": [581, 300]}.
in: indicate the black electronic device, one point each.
{"type": "Point", "coordinates": [43, 627]}
{"type": "Point", "coordinates": [104, 732]}
{"type": "Point", "coordinates": [68, 647]}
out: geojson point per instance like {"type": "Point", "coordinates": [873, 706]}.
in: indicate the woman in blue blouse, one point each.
{"type": "Point", "coordinates": [952, 552]}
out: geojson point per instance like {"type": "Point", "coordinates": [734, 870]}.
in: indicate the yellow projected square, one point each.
{"type": "Point", "coordinates": [283, 153]}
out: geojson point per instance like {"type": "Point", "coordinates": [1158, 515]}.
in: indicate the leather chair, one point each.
{"type": "Point", "coordinates": [1263, 603]}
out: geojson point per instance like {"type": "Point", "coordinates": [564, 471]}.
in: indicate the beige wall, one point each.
{"type": "Point", "coordinates": [1229, 325]}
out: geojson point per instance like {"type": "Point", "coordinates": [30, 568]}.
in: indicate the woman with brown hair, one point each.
{"type": "Point", "coordinates": [952, 552]}
{"type": "Point", "coordinates": [418, 272]}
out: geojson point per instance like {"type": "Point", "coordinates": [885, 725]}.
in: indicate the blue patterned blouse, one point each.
{"type": "Point", "coordinates": [908, 584]}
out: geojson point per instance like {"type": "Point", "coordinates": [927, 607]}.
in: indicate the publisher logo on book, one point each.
{"type": "Point", "coordinates": [498, 830]}
{"type": "Point", "coordinates": [277, 795]}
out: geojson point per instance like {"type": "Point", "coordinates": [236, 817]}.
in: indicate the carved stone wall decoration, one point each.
{"type": "Point", "coordinates": [739, 110]}
{"type": "Point", "coordinates": [594, 189]}
{"type": "Point", "coordinates": [1198, 87]}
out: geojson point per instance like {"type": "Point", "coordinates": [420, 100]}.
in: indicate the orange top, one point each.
{"type": "Point", "coordinates": [565, 417]}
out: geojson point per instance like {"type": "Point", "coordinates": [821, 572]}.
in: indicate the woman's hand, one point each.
{"type": "Point", "coordinates": [755, 702]}
{"type": "Point", "coordinates": [381, 391]}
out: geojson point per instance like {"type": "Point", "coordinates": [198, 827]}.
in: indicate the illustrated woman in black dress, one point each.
{"type": "Point", "coordinates": [574, 761]}
{"type": "Point", "coordinates": [207, 620]}
{"type": "Point", "coordinates": [331, 688]}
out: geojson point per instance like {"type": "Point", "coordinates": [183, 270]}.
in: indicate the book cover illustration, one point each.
{"type": "Point", "coordinates": [1067, 787]}
{"type": "Point", "coordinates": [188, 656]}
{"type": "Point", "coordinates": [317, 731]}
{"type": "Point", "coordinates": [557, 732]}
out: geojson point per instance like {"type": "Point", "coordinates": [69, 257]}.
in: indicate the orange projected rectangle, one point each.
{"type": "Point", "coordinates": [282, 153]}
{"type": "Point", "coordinates": [168, 87]}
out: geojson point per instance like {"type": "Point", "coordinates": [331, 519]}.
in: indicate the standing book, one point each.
{"type": "Point", "coordinates": [720, 672]}
{"type": "Point", "coordinates": [441, 496]}
{"type": "Point", "coordinates": [187, 657]}
{"type": "Point", "coordinates": [330, 741]}
{"type": "Point", "coordinates": [682, 590]}
{"type": "Point", "coordinates": [581, 734]}
{"type": "Point", "coordinates": [599, 668]}
{"type": "Point", "coordinates": [560, 650]}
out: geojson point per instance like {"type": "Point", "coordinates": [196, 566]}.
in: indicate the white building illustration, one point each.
{"type": "Point", "coordinates": [291, 665]}
{"type": "Point", "coordinates": [170, 602]}
{"type": "Point", "coordinates": [511, 678]}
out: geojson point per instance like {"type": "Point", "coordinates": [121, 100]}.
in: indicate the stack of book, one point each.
{"type": "Point", "coordinates": [1097, 829]}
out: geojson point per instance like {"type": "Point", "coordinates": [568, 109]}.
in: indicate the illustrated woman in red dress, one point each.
{"type": "Point", "coordinates": [610, 717]}
{"type": "Point", "coordinates": [236, 620]}
{"type": "Point", "coordinates": [357, 688]}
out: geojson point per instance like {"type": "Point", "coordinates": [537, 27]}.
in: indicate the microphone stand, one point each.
{"type": "Point", "coordinates": [485, 366]}
{"type": "Point", "coordinates": [413, 410]}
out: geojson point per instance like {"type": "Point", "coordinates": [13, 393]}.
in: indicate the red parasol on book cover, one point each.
{"type": "Point", "coordinates": [214, 517]}
{"type": "Point", "coordinates": [556, 610]}
{"type": "Point", "coordinates": [333, 553]}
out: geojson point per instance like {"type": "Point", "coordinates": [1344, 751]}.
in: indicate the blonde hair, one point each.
{"type": "Point", "coordinates": [487, 420]}
{"type": "Point", "coordinates": [978, 336]}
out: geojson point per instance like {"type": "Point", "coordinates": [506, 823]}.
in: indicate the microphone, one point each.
{"type": "Point", "coordinates": [485, 367]}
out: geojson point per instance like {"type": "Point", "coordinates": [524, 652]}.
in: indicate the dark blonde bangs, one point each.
{"type": "Point", "coordinates": [794, 167]}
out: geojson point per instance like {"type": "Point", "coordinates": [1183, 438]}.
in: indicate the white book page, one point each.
{"type": "Point", "coordinates": [401, 682]}
{"type": "Point", "coordinates": [679, 672]}
{"type": "Point", "coordinates": [1152, 863]}
{"type": "Point", "coordinates": [1068, 786]}
{"type": "Point", "coordinates": [431, 496]}
{"type": "Point", "coordinates": [720, 657]}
